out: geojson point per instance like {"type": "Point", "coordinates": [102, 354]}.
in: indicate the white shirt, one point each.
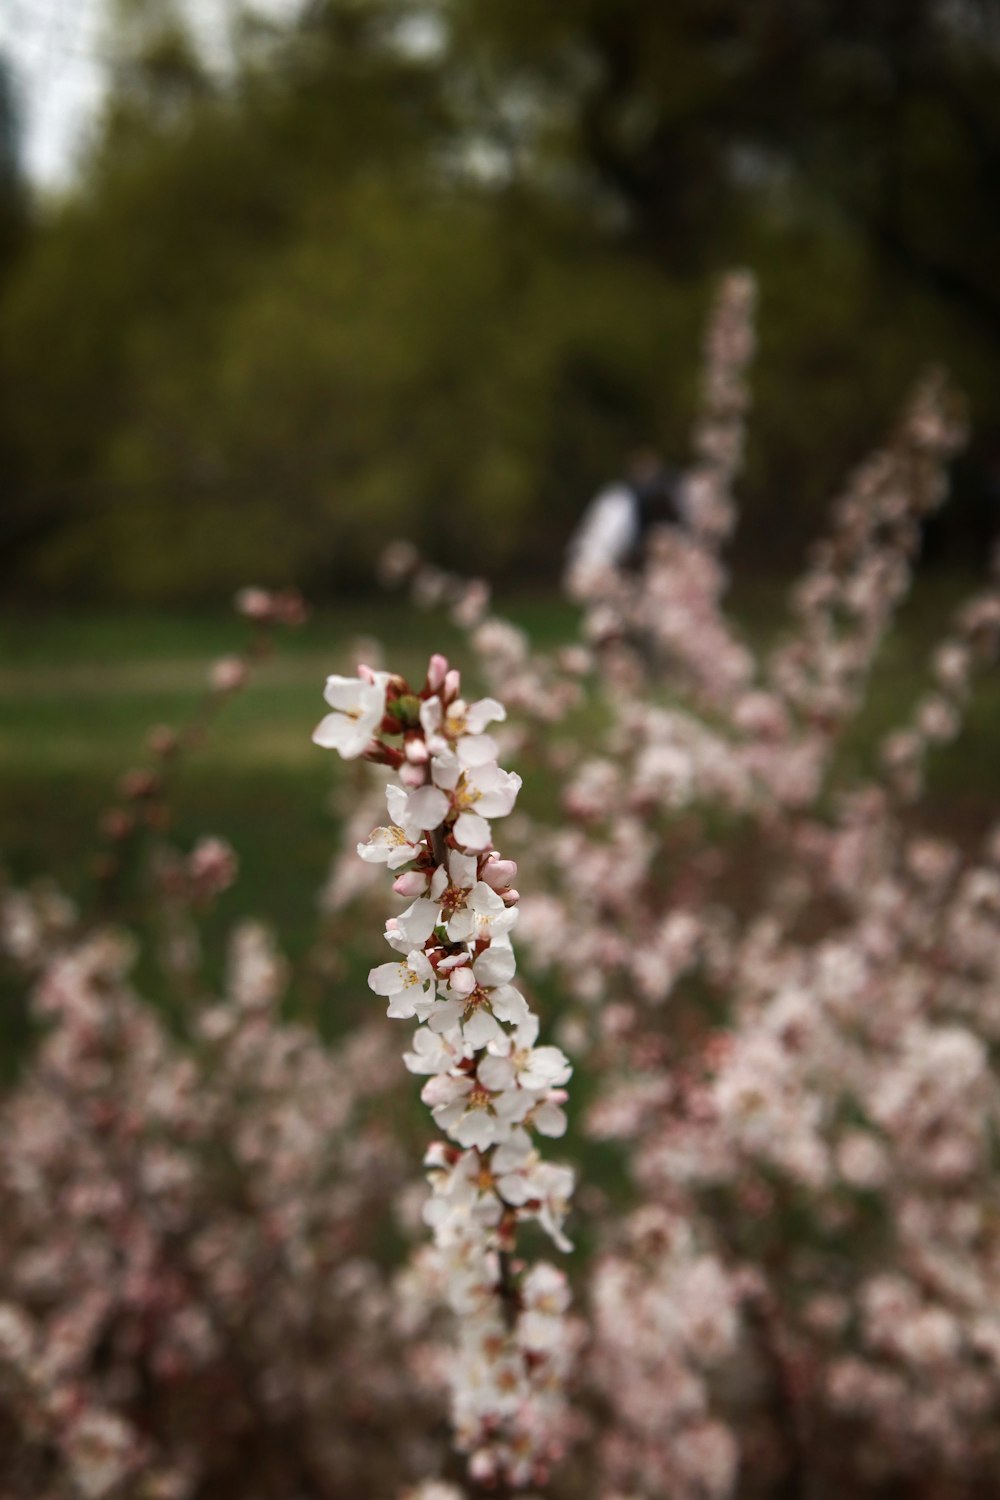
{"type": "Point", "coordinates": [607, 533]}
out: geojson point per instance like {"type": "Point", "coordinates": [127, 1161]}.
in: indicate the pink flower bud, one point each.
{"type": "Point", "coordinates": [510, 897]}
{"type": "Point", "coordinates": [162, 740]}
{"type": "Point", "coordinates": [117, 824]}
{"type": "Point", "coordinates": [410, 884]}
{"type": "Point", "coordinates": [462, 981]}
{"type": "Point", "coordinates": [135, 785]}
{"type": "Point", "coordinates": [212, 866]}
{"type": "Point", "coordinates": [254, 603]}
{"type": "Point", "coordinates": [452, 685]}
{"type": "Point", "coordinates": [411, 776]}
{"type": "Point", "coordinates": [437, 671]}
{"type": "Point", "coordinates": [416, 752]}
{"type": "Point", "coordinates": [227, 674]}
{"type": "Point", "coordinates": [289, 608]}
{"type": "Point", "coordinates": [498, 873]}
{"type": "Point", "coordinates": [483, 1467]}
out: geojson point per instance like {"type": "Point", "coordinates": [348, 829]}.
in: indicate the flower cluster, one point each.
{"type": "Point", "coordinates": [785, 991]}
{"type": "Point", "coordinates": [776, 973]}
{"type": "Point", "coordinates": [490, 1088]}
{"type": "Point", "coordinates": [188, 1301]}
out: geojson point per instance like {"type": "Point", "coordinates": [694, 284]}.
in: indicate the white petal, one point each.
{"type": "Point", "coordinates": [402, 1006]}
{"type": "Point", "coordinates": [336, 732]}
{"type": "Point", "coordinates": [426, 808]}
{"type": "Point", "coordinates": [388, 979]}
{"type": "Point", "coordinates": [461, 926]}
{"type": "Point", "coordinates": [395, 801]}
{"type": "Point", "coordinates": [515, 1152]}
{"type": "Point", "coordinates": [485, 711]}
{"type": "Point", "coordinates": [445, 770]}
{"type": "Point", "coordinates": [445, 1014]}
{"type": "Point", "coordinates": [496, 966]}
{"type": "Point", "coordinates": [511, 1105]}
{"type": "Point", "coordinates": [495, 1072]}
{"type": "Point", "coordinates": [475, 1128]}
{"type": "Point", "coordinates": [437, 1092]}
{"type": "Point", "coordinates": [547, 1068]}
{"type": "Point", "coordinates": [509, 1004]}
{"type": "Point", "coordinates": [527, 1032]}
{"type": "Point", "coordinates": [418, 921]}
{"type": "Point", "coordinates": [462, 869]}
{"type": "Point", "coordinates": [480, 1028]}
{"type": "Point", "coordinates": [485, 900]}
{"type": "Point", "coordinates": [513, 1188]}
{"type": "Point", "coordinates": [476, 750]}
{"type": "Point", "coordinates": [497, 789]}
{"type": "Point", "coordinates": [549, 1119]}
{"type": "Point", "coordinates": [430, 715]}
{"type": "Point", "coordinates": [472, 831]}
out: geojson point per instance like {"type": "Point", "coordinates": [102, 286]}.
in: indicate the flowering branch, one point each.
{"type": "Point", "coordinates": [489, 1087]}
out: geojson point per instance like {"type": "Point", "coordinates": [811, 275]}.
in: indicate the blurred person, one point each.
{"type": "Point", "coordinates": [615, 527]}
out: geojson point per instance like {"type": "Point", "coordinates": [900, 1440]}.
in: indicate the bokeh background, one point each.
{"type": "Point", "coordinates": [313, 276]}
{"type": "Point", "coordinates": [361, 267]}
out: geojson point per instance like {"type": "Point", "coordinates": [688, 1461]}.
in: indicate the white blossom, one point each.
{"type": "Point", "coordinates": [359, 707]}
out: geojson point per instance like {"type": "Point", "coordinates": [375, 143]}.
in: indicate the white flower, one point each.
{"type": "Point", "coordinates": [510, 1163]}
{"type": "Point", "coordinates": [481, 1027]}
{"type": "Point", "coordinates": [459, 722]}
{"type": "Point", "coordinates": [415, 812]}
{"type": "Point", "coordinates": [484, 917]}
{"type": "Point", "coordinates": [472, 831]}
{"type": "Point", "coordinates": [548, 1118]}
{"type": "Point", "coordinates": [479, 793]}
{"type": "Point", "coordinates": [388, 846]}
{"type": "Point", "coordinates": [461, 1192]}
{"type": "Point", "coordinates": [515, 1060]}
{"type": "Point", "coordinates": [491, 790]}
{"type": "Point", "coordinates": [412, 927]}
{"type": "Point", "coordinates": [450, 887]}
{"type": "Point", "coordinates": [496, 967]}
{"type": "Point", "coordinates": [409, 987]}
{"type": "Point", "coordinates": [359, 708]}
{"type": "Point", "coordinates": [508, 1004]}
{"type": "Point", "coordinates": [470, 1113]}
{"type": "Point", "coordinates": [552, 1187]}
{"type": "Point", "coordinates": [481, 993]}
{"type": "Point", "coordinates": [435, 1052]}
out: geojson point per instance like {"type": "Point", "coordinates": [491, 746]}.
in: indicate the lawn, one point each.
{"type": "Point", "coordinates": [79, 693]}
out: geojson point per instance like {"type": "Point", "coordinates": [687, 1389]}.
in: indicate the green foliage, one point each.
{"type": "Point", "coordinates": [430, 269]}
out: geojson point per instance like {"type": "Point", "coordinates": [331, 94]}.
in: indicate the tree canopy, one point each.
{"type": "Point", "coordinates": [432, 267]}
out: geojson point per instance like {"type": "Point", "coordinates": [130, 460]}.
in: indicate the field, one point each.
{"type": "Point", "coordinates": [78, 694]}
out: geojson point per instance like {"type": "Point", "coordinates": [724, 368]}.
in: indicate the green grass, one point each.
{"type": "Point", "coordinates": [79, 693]}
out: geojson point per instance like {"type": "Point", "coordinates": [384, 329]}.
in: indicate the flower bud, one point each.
{"type": "Point", "coordinates": [227, 674]}
{"type": "Point", "coordinates": [498, 873]}
{"type": "Point", "coordinates": [462, 981]}
{"type": "Point", "coordinates": [254, 603]}
{"type": "Point", "coordinates": [162, 740]}
{"type": "Point", "coordinates": [437, 671]}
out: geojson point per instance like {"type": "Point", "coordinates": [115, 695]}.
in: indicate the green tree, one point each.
{"type": "Point", "coordinates": [431, 265]}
